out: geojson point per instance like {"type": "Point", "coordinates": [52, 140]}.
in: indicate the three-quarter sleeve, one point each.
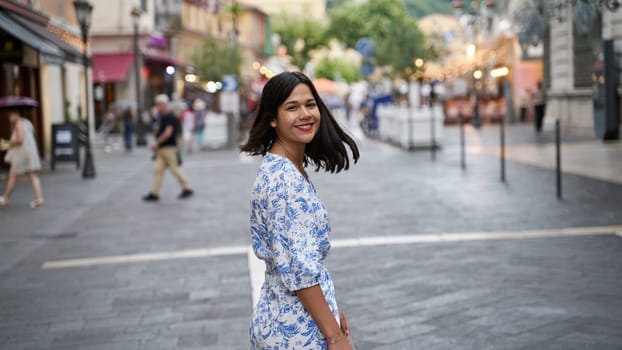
{"type": "Point", "coordinates": [292, 223]}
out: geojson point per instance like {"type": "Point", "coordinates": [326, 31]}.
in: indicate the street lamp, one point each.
{"type": "Point", "coordinates": [140, 126]}
{"type": "Point", "coordinates": [474, 21]}
{"type": "Point", "coordinates": [83, 11]}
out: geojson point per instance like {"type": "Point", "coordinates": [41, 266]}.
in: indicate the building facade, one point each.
{"type": "Point", "coordinates": [169, 33]}
{"type": "Point", "coordinates": [42, 59]}
{"type": "Point", "coordinates": [580, 93]}
{"type": "Point", "coordinates": [247, 28]}
{"type": "Point", "coordinates": [133, 45]}
{"type": "Point", "coordinates": [306, 8]}
{"type": "Point", "coordinates": [581, 43]}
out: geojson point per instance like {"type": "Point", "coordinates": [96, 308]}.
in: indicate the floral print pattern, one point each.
{"type": "Point", "coordinates": [289, 232]}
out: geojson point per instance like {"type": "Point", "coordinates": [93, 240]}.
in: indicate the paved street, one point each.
{"type": "Point", "coordinates": [425, 255]}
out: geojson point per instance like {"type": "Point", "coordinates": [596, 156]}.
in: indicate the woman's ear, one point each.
{"type": "Point", "coordinates": [273, 122]}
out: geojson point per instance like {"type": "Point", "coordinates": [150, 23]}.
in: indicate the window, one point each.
{"type": "Point", "coordinates": [586, 47]}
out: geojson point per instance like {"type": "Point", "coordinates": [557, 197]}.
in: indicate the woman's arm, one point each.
{"type": "Point", "coordinates": [313, 300]}
{"type": "Point", "coordinates": [295, 255]}
{"type": "Point", "coordinates": [19, 135]}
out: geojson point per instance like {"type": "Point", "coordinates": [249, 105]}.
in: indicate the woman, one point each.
{"type": "Point", "coordinates": [539, 105]}
{"type": "Point", "coordinates": [187, 126]}
{"type": "Point", "coordinates": [24, 158]}
{"type": "Point", "coordinates": [297, 308]}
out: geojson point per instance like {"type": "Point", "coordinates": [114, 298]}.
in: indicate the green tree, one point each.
{"type": "Point", "coordinates": [300, 35]}
{"type": "Point", "coordinates": [216, 59]}
{"type": "Point", "coordinates": [396, 35]}
{"type": "Point", "coordinates": [416, 8]}
{"type": "Point", "coordinates": [420, 8]}
{"type": "Point", "coordinates": [331, 68]}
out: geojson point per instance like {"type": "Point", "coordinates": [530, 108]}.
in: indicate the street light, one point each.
{"type": "Point", "coordinates": [140, 125]}
{"type": "Point", "coordinates": [83, 11]}
{"type": "Point", "coordinates": [474, 20]}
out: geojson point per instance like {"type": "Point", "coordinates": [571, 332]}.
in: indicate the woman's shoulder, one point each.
{"type": "Point", "coordinates": [276, 164]}
{"type": "Point", "coordinates": [277, 169]}
{"type": "Point", "coordinates": [21, 123]}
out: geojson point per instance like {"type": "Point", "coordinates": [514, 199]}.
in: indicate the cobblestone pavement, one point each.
{"type": "Point", "coordinates": [180, 279]}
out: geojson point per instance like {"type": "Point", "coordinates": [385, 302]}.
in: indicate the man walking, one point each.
{"type": "Point", "coordinates": [165, 149]}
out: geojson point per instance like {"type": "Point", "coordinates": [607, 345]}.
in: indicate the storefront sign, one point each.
{"type": "Point", "coordinates": [65, 144]}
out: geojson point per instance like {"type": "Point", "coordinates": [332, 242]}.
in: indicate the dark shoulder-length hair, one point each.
{"type": "Point", "coordinates": [327, 149]}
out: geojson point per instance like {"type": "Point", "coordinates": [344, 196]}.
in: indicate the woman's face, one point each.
{"type": "Point", "coordinates": [298, 118]}
{"type": "Point", "coordinates": [13, 116]}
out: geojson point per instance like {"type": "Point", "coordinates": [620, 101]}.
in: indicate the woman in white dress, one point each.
{"type": "Point", "coordinates": [187, 126]}
{"type": "Point", "coordinates": [24, 158]}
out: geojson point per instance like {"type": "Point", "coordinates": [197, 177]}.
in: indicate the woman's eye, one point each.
{"type": "Point", "coordinates": [311, 105]}
{"type": "Point", "coordinates": [291, 108]}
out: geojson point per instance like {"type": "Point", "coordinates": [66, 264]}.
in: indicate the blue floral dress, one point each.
{"type": "Point", "coordinates": [289, 232]}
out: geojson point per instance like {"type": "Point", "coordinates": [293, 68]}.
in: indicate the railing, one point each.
{"type": "Point", "coordinates": [412, 129]}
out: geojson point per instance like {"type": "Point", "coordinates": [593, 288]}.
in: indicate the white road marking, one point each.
{"type": "Point", "coordinates": [256, 267]}
{"type": "Point", "coordinates": [474, 236]}
{"type": "Point", "coordinates": [336, 243]}
{"type": "Point", "coordinates": [144, 257]}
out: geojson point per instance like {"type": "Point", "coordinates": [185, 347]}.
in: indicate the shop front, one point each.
{"type": "Point", "coordinates": [37, 63]}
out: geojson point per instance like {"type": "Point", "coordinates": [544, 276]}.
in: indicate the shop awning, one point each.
{"type": "Point", "coordinates": [164, 59]}
{"type": "Point", "coordinates": [111, 67]}
{"type": "Point", "coordinates": [71, 53]}
{"type": "Point", "coordinates": [21, 33]}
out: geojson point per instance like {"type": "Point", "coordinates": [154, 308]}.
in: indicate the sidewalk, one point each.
{"type": "Point", "coordinates": [579, 155]}
{"type": "Point", "coordinates": [593, 159]}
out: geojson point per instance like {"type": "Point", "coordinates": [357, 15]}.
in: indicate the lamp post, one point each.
{"type": "Point", "coordinates": [140, 125]}
{"type": "Point", "coordinates": [474, 21]}
{"type": "Point", "coordinates": [83, 12]}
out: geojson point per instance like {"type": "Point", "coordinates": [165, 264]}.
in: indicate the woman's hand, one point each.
{"type": "Point", "coordinates": [345, 328]}
{"type": "Point", "coordinates": [4, 145]}
{"type": "Point", "coordinates": [344, 342]}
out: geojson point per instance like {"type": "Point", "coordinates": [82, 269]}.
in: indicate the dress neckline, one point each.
{"type": "Point", "coordinates": [303, 174]}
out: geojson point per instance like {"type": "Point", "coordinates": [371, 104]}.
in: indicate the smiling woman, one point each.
{"type": "Point", "coordinates": [327, 147]}
{"type": "Point", "coordinates": [297, 308]}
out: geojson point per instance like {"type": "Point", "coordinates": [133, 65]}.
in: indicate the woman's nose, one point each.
{"type": "Point", "coordinates": [306, 112]}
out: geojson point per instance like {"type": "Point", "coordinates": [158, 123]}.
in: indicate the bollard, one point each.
{"type": "Point", "coordinates": [462, 155]}
{"type": "Point", "coordinates": [558, 160]}
{"type": "Point", "coordinates": [502, 148]}
{"type": "Point", "coordinates": [410, 128]}
{"type": "Point", "coordinates": [232, 129]}
{"type": "Point", "coordinates": [432, 133]}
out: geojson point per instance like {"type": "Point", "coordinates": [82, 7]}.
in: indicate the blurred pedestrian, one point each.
{"type": "Point", "coordinates": [348, 106]}
{"type": "Point", "coordinates": [23, 156]}
{"type": "Point", "coordinates": [297, 308]}
{"type": "Point", "coordinates": [199, 122]}
{"type": "Point", "coordinates": [539, 105]}
{"type": "Point", "coordinates": [128, 128]}
{"type": "Point", "coordinates": [166, 153]}
{"type": "Point", "coordinates": [524, 105]}
{"type": "Point", "coordinates": [188, 119]}
{"type": "Point", "coordinates": [155, 117]}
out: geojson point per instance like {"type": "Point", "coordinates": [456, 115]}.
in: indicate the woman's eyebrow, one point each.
{"type": "Point", "coordinates": [296, 101]}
